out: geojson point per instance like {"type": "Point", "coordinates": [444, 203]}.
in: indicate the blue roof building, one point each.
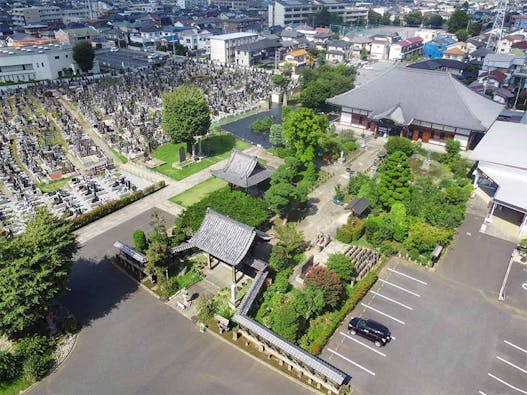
{"type": "Point", "coordinates": [435, 48]}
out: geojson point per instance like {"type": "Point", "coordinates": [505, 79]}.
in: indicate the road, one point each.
{"type": "Point", "coordinates": [131, 343]}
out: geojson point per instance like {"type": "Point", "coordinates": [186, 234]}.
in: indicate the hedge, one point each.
{"type": "Point", "coordinates": [110, 207]}
{"type": "Point", "coordinates": [355, 295]}
{"type": "Point", "coordinates": [351, 231]}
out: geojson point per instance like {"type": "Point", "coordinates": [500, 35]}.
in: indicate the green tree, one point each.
{"type": "Point", "coordinates": [185, 114]}
{"type": "Point", "coordinates": [9, 366]}
{"type": "Point", "coordinates": [386, 18]}
{"type": "Point", "coordinates": [398, 221]}
{"type": "Point", "coordinates": [462, 34]}
{"type": "Point", "coordinates": [84, 55]}
{"type": "Point", "coordinates": [291, 239]}
{"type": "Point", "coordinates": [275, 135]}
{"type": "Point", "coordinates": [414, 18]}
{"type": "Point", "coordinates": [285, 321]}
{"type": "Point", "coordinates": [279, 259]}
{"type": "Point", "coordinates": [395, 174]}
{"type": "Point", "coordinates": [34, 269]}
{"type": "Point", "coordinates": [356, 182]}
{"type": "Point", "coordinates": [302, 130]}
{"type": "Point", "coordinates": [474, 28]}
{"type": "Point", "coordinates": [374, 18]}
{"type": "Point", "coordinates": [315, 94]}
{"type": "Point", "coordinates": [433, 20]}
{"type": "Point", "coordinates": [458, 20]}
{"type": "Point", "coordinates": [309, 302]}
{"type": "Point", "coordinates": [423, 237]}
{"type": "Point", "coordinates": [262, 125]}
{"type": "Point", "coordinates": [453, 147]}
{"type": "Point", "coordinates": [140, 242]}
{"type": "Point", "coordinates": [281, 197]}
{"type": "Point", "coordinates": [181, 50]}
{"type": "Point", "coordinates": [397, 143]}
{"type": "Point", "coordinates": [325, 18]}
{"type": "Point", "coordinates": [280, 81]}
{"type": "Point", "coordinates": [363, 53]}
{"type": "Point", "coordinates": [397, 20]}
{"type": "Point", "coordinates": [159, 253]}
{"type": "Point", "coordinates": [342, 266]}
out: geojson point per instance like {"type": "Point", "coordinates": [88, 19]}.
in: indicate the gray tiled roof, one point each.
{"type": "Point", "coordinates": [429, 96]}
{"type": "Point", "coordinates": [243, 170]}
{"type": "Point", "coordinates": [332, 373]}
{"type": "Point", "coordinates": [222, 237]}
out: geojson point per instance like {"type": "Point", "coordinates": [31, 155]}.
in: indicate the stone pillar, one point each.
{"type": "Point", "coordinates": [209, 261]}
{"type": "Point", "coordinates": [476, 179]}
{"type": "Point", "coordinates": [234, 274]}
{"type": "Point", "coordinates": [523, 226]}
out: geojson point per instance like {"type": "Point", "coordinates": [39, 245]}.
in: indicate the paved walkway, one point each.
{"type": "Point", "coordinates": [327, 216]}
{"type": "Point", "coordinates": [160, 199]}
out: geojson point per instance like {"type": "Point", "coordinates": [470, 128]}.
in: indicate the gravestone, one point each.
{"type": "Point", "coordinates": [426, 162]}
{"type": "Point", "coordinates": [181, 154]}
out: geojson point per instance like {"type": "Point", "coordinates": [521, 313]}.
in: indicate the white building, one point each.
{"type": "Point", "coordinates": [502, 171]}
{"type": "Point", "coordinates": [223, 47]}
{"type": "Point", "coordinates": [35, 63]}
{"type": "Point", "coordinates": [23, 16]}
{"type": "Point", "coordinates": [404, 49]}
{"type": "Point", "coordinates": [428, 34]}
{"type": "Point", "coordinates": [285, 12]}
{"type": "Point", "coordinates": [196, 40]}
{"type": "Point", "coordinates": [380, 49]}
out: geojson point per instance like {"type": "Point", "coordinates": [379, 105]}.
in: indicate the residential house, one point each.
{"type": "Point", "coordinates": [428, 34]}
{"type": "Point", "coordinates": [380, 49]}
{"type": "Point", "coordinates": [505, 44]}
{"type": "Point", "coordinates": [358, 43]}
{"type": "Point", "coordinates": [262, 51]}
{"type": "Point", "coordinates": [435, 48]}
{"type": "Point", "coordinates": [196, 40]}
{"type": "Point", "coordinates": [405, 49]}
{"type": "Point", "coordinates": [519, 22]}
{"type": "Point", "coordinates": [338, 51]}
{"type": "Point", "coordinates": [298, 59]}
{"type": "Point", "coordinates": [455, 53]}
{"type": "Point", "coordinates": [72, 36]}
{"type": "Point", "coordinates": [146, 36]}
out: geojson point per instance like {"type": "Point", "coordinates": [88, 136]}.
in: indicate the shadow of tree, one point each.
{"type": "Point", "coordinates": [96, 287]}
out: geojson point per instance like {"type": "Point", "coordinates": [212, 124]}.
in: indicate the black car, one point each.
{"type": "Point", "coordinates": [370, 329]}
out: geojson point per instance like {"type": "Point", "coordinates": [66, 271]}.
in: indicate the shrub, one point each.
{"type": "Point", "coordinates": [262, 125]}
{"type": "Point", "coordinates": [9, 366]}
{"type": "Point", "coordinates": [33, 345]}
{"type": "Point", "coordinates": [110, 207]}
{"type": "Point", "coordinates": [388, 248]}
{"type": "Point", "coordinates": [351, 231]}
{"type": "Point", "coordinates": [423, 237]}
{"type": "Point", "coordinates": [205, 308]}
{"type": "Point", "coordinates": [140, 243]}
{"type": "Point", "coordinates": [36, 366]}
{"type": "Point", "coordinates": [285, 320]}
{"type": "Point", "coordinates": [399, 144]}
{"type": "Point", "coordinates": [344, 234]}
{"type": "Point", "coordinates": [279, 259]}
{"type": "Point", "coordinates": [70, 325]}
{"type": "Point", "coordinates": [452, 147]}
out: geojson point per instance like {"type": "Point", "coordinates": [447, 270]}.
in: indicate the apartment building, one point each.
{"type": "Point", "coordinates": [23, 16]}
{"type": "Point", "coordinates": [223, 47]}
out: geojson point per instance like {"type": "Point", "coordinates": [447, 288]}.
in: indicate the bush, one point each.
{"type": "Point", "coordinates": [351, 231]}
{"type": "Point", "coordinates": [237, 205]}
{"type": "Point", "coordinates": [328, 281]}
{"type": "Point", "coordinates": [399, 144]}
{"type": "Point", "coordinates": [389, 248]}
{"type": "Point", "coordinates": [9, 366]}
{"type": "Point", "coordinates": [140, 243]}
{"type": "Point", "coordinates": [70, 325]}
{"type": "Point", "coordinates": [33, 345]}
{"type": "Point", "coordinates": [279, 259]}
{"type": "Point", "coordinates": [205, 308]}
{"type": "Point", "coordinates": [36, 366]}
{"type": "Point", "coordinates": [423, 238]}
{"type": "Point", "coordinates": [262, 125]}
{"type": "Point", "coordinates": [110, 207]}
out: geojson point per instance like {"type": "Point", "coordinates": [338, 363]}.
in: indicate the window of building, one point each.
{"type": "Point", "coordinates": [57, 57]}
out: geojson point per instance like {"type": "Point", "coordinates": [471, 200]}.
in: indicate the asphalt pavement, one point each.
{"type": "Point", "coordinates": [131, 343]}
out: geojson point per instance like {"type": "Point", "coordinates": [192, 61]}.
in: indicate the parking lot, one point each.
{"type": "Point", "coordinates": [447, 338]}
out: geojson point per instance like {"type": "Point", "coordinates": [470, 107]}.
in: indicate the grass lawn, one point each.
{"type": "Point", "coordinates": [121, 157]}
{"type": "Point", "coordinates": [14, 387]}
{"type": "Point", "coordinates": [219, 146]}
{"type": "Point", "coordinates": [198, 192]}
{"type": "Point", "coordinates": [53, 186]}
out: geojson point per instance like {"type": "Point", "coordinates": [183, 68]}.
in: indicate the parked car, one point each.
{"type": "Point", "coordinates": [370, 329]}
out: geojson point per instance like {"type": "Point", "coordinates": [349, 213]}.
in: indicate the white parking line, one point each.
{"type": "Point", "coordinates": [511, 364]}
{"type": "Point", "coordinates": [392, 300]}
{"type": "Point", "coordinates": [507, 384]}
{"type": "Point", "coordinates": [515, 346]}
{"type": "Point", "coordinates": [407, 276]}
{"type": "Point", "coordinates": [380, 312]}
{"type": "Point", "coordinates": [362, 344]}
{"type": "Point", "coordinates": [352, 362]}
{"type": "Point", "coordinates": [481, 392]}
{"type": "Point", "coordinates": [399, 287]}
